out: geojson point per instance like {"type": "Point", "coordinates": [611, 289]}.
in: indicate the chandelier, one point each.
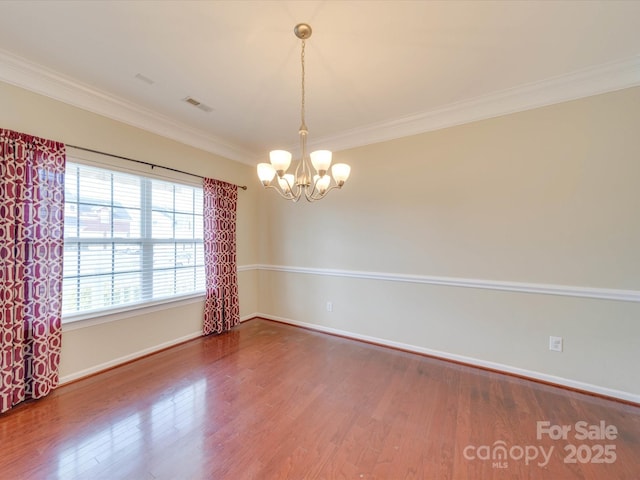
{"type": "Point", "coordinates": [311, 177]}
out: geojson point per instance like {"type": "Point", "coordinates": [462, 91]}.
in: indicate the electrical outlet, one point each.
{"type": "Point", "coordinates": [329, 306]}
{"type": "Point", "coordinates": [555, 344]}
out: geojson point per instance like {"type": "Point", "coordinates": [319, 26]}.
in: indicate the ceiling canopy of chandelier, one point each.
{"type": "Point", "coordinates": [310, 178]}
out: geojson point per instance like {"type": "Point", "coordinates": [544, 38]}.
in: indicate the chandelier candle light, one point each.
{"type": "Point", "coordinates": [294, 186]}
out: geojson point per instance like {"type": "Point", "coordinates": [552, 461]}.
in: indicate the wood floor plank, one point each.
{"type": "Point", "coordinates": [272, 401]}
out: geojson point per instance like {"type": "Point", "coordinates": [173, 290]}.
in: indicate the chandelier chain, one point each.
{"type": "Point", "coordinates": [302, 105]}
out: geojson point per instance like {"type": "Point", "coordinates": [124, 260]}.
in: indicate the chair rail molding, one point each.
{"type": "Point", "coordinates": [522, 287]}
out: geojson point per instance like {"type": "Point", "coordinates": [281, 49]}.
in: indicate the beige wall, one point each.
{"type": "Point", "coordinates": [543, 198]}
{"type": "Point", "coordinates": [548, 197]}
{"type": "Point", "coordinates": [97, 346]}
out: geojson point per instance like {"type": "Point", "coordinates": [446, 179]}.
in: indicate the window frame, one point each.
{"type": "Point", "coordinates": [73, 320]}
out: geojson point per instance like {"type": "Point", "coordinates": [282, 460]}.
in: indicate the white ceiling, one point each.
{"type": "Point", "coordinates": [375, 69]}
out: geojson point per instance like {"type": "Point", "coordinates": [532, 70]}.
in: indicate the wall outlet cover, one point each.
{"type": "Point", "coordinates": [555, 344]}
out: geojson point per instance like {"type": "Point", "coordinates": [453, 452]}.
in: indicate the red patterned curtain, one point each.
{"type": "Point", "coordinates": [221, 310]}
{"type": "Point", "coordinates": [31, 246]}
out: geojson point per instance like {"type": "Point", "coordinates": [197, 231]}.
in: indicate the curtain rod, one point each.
{"type": "Point", "coordinates": [152, 165]}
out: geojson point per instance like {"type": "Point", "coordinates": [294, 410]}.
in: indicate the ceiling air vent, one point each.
{"type": "Point", "coordinates": [144, 79]}
{"type": "Point", "coordinates": [198, 104]}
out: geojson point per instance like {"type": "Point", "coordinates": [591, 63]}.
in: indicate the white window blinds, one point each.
{"type": "Point", "coordinates": [129, 239]}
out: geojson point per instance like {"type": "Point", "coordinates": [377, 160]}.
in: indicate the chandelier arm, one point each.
{"type": "Point", "coordinates": [314, 189]}
{"type": "Point", "coordinates": [284, 195]}
{"type": "Point", "coordinates": [294, 188]}
{"type": "Point", "coordinates": [310, 192]}
{"type": "Point", "coordinates": [308, 196]}
{"type": "Point", "coordinates": [313, 193]}
{"type": "Point", "coordinates": [332, 187]}
{"type": "Point", "coordinates": [313, 198]}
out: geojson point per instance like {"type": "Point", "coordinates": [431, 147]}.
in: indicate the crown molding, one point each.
{"type": "Point", "coordinates": [22, 73]}
{"type": "Point", "coordinates": [616, 75]}
{"type": "Point", "coordinates": [609, 77]}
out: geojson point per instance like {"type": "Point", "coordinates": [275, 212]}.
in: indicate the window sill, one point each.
{"type": "Point", "coordinates": [84, 320]}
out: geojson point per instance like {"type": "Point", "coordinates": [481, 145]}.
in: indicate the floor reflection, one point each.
{"type": "Point", "coordinates": [182, 411]}
{"type": "Point", "coordinates": [126, 443]}
{"type": "Point", "coordinates": [122, 438]}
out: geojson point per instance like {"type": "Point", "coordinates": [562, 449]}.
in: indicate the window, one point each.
{"type": "Point", "coordinates": [129, 239]}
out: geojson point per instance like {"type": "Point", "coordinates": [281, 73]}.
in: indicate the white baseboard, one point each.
{"type": "Point", "coordinates": [560, 381]}
{"type": "Point", "coordinates": [126, 358]}
{"type": "Point", "coordinates": [244, 318]}
{"type": "Point", "coordinates": [565, 382]}
{"type": "Point", "coordinates": [141, 353]}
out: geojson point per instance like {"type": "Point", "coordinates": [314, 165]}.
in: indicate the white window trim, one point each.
{"type": "Point", "coordinates": [95, 317]}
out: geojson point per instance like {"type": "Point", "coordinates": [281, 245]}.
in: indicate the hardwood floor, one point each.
{"type": "Point", "coordinates": [269, 401]}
